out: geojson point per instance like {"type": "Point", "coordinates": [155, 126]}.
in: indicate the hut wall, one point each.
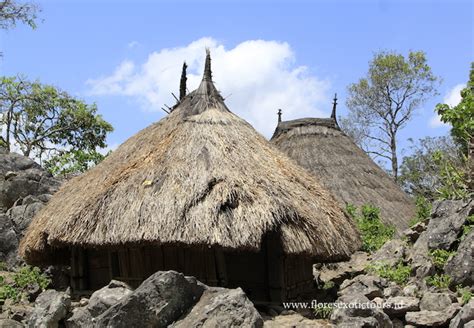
{"type": "Point", "coordinates": [267, 275]}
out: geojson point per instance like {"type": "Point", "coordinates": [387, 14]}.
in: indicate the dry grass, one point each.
{"type": "Point", "coordinates": [200, 176]}
{"type": "Point", "coordinates": [343, 168]}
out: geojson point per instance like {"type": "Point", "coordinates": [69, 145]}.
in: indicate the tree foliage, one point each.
{"type": "Point", "coordinates": [461, 119]}
{"type": "Point", "coordinates": [44, 122]}
{"type": "Point", "coordinates": [383, 102]}
{"type": "Point", "coordinates": [13, 12]}
{"type": "Point", "coordinates": [421, 172]}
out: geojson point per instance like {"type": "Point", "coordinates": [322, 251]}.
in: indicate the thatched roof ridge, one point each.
{"type": "Point", "coordinates": [344, 169]}
{"type": "Point", "coordinates": [200, 176]}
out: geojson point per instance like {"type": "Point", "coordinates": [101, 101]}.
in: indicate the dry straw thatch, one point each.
{"type": "Point", "coordinates": [200, 176]}
{"type": "Point", "coordinates": [342, 167]}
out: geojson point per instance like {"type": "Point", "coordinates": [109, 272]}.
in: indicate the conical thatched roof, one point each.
{"type": "Point", "coordinates": [319, 145]}
{"type": "Point", "coordinates": [200, 176]}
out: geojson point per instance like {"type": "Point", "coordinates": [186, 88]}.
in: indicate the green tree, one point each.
{"type": "Point", "coordinates": [420, 173]}
{"type": "Point", "coordinates": [383, 102]}
{"type": "Point", "coordinates": [44, 122]}
{"type": "Point", "coordinates": [461, 118]}
{"type": "Point", "coordinates": [73, 162]}
{"type": "Point", "coordinates": [13, 12]}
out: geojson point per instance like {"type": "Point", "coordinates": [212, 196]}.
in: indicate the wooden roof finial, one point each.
{"type": "Point", "coordinates": [207, 66]}
{"type": "Point", "coordinates": [182, 82]}
{"type": "Point", "coordinates": [333, 114]}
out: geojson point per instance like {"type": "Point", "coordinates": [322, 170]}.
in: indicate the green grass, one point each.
{"type": "Point", "coordinates": [440, 281]}
{"type": "Point", "coordinates": [323, 312]}
{"type": "Point", "coordinates": [398, 274]}
{"type": "Point", "coordinates": [465, 293]}
{"type": "Point", "coordinates": [440, 257]}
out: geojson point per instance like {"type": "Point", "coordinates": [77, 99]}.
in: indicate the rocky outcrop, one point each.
{"type": "Point", "coordinates": [24, 189]}
{"type": "Point", "coordinates": [367, 285]}
{"type": "Point", "coordinates": [355, 310]}
{"type": "Point", "coordinates": [99, 302]}
{"type": "Point", "coordinates": [464, 317]}
{"type": "Point", "coordinates": [157, 302]}
{"type": "Point", "coordinates": [220, 307]}
{"type": "Point", "coordinates": [460, 267]}
{"type": "Point", "coordinates": [446, 222]}
{"type": "Point", "coordinates": [21, 177]}
{"type": "Point", "coordinates": [340, 271]}
{"type": "Point", "coordinates": [391, 252]}
{"type": "Point", "coordinates": [51, 307]}
{"type": "Point", "coordinates": [432, 318]}
{"type": "Point", "coordinates": [166, 299]}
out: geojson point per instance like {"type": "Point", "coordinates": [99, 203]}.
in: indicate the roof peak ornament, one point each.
{"type": "Point", "coordinates": [333, 113]}
{"type": "Point", "coordinates": [207, 66]}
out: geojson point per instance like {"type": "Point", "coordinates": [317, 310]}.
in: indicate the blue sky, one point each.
{"type": "Point", "coordinates": [125, 55]}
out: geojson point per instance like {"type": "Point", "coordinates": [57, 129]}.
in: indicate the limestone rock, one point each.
{"type": "Point", "coordinates": [219, 307]}
{"type": "Point", "coordinates": [50, 308]}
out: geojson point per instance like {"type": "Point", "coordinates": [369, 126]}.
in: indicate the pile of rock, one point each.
{"type": "Point", "coordinates": [165, 299]}
{"type": "Point", "coordinates": [366, 300]}
{"type": "Point", "coordinates": [24, 189]}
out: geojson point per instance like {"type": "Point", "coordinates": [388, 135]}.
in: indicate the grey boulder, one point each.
{"type": "Point", "coordinates": [50, 308]}
{"type": "Point", "coordinates": [219, 307]}
{"type": "Point", "coordinates": [159, 301]}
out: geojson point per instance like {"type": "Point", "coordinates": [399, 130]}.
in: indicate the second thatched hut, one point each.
{"type": "Point", "coordinates": [320, 146]}
{"type": "Point", "coordinates": [200, 192]}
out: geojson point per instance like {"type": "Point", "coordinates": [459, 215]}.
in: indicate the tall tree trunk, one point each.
{"type": "Point", "coordinates": [7, 136]}
{"type": "Point", "coordinates": [393, 150]}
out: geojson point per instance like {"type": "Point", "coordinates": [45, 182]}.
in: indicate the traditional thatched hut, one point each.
{"type": "Point", "coordinates": [319, 145]}
{"type": "Point", "coordinates": [200, 192]}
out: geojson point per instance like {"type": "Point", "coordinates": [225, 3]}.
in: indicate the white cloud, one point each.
{"type": "Point", "coordinates": [261, 77]}
{"type": "Point", "coordinates": [452, 98]}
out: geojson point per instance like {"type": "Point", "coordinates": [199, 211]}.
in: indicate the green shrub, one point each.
{"type": "Point", "coordinates": [423, 210]}
{"type": "Point", "coordinates": [440, 257]}
{"type": "Point", "coordinates": [399, 273]}
{"type": "Point", "coordinates": [28, 275]}
{"type": "Point", "coordinates": [323, 312]}
{"type": "Point", "coordinates": [373, 232]}
{"type": "Point", "coordinates": [440, 281]}
{"type": "Point", "coordinates": [24, 277]}
{"type": "Point", "coordinates": [9, 292]}
{"type": "Point", "coordinates": [465, 294]}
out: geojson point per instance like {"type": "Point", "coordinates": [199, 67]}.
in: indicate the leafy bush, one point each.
{"type": "Point", "coordinates": [3, 266]}
{"type": "Point", "coordinates": [423, 210]}
{"type": "Point", "coordinates": [9, 292]}
{"type": "Point", "coordinates": [373, 232]}
{"type": "Point", "coordinates": [323, 312]}
{"type": "Point", "coordinates": [440, 256]}
{"type": "Point", "coordinates": [22, 279]}
{"type": "Point", "coordinates": [399, 274]}
{"type": "Point", "coordinates": [440, 281]}
{"type": "Point", "coordinates": [28, 275]}
{"type": "Point", "coordinates": [454, 179]}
